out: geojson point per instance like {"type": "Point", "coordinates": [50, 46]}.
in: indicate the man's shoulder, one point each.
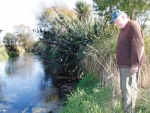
{"type": "Point", "coordinates": [133, 23]}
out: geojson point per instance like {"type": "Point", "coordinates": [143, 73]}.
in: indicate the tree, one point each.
{"type": "Point", "coordinates": [136, 9]}
{"type": "Point", "coordinates": [63, 39]}
{"type": "Point", "coordinates": [47, 17]}
{"type": "Point", "coordinates": [83, 10]}
{"type": "Point", "coordinates": [9, 39]}
{"type": "Point", "coordinates": [24, 36]}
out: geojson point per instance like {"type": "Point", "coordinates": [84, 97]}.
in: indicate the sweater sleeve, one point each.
{"type": "Point", "coordinates": [137, 42]}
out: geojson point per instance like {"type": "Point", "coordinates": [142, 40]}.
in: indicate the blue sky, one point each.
{"type": "Point", "coordinates": [16, 12]}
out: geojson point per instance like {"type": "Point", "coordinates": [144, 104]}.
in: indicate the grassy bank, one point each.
{"type": "Point", "coordinates": [4, 54]}
{"type": "Point", "coordinates": [93, 95]}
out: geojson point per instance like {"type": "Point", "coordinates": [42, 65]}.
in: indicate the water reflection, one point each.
{"type": "Point", "coordinates": [26, 86]}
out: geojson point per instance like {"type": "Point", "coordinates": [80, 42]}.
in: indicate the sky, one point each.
{"type": "Point", "coordinates": [16, 12]}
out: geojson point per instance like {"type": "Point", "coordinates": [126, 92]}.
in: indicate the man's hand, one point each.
{"type": "Point", "coordinates": [134, 69]}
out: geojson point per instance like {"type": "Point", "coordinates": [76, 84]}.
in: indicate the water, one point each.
{"type": "Point", "coordinates": [26, 86]}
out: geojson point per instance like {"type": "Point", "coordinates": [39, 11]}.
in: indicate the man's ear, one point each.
{"type": "Point", "coordinates": [123, 17]}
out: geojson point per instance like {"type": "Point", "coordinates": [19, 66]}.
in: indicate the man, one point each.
{"type": "Point", "coordinates": [130, 56]}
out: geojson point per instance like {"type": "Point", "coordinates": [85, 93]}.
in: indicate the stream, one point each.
{"type": "Point", "coordinates": [26, 86]}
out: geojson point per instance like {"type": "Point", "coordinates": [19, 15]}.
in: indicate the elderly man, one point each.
{"type": "Point", "coordinates": [130, 57]}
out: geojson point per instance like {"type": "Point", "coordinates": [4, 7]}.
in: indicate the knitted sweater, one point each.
{"type": "Point", "coordinates": [130, 43]}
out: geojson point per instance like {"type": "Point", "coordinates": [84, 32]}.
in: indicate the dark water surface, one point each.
{"type": "Point", "coordinates": [26, 86]}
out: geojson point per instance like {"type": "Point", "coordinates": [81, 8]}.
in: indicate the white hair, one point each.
{"type": "Point", "coordinates": [125, 15]}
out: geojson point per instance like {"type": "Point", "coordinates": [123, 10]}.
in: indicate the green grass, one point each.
{"type": "Point", "coordinates": [143, 101]}
{"type": "Point", "coordinates": [92, 96]}
{"type": "Point", "coordinates": [3, 53]}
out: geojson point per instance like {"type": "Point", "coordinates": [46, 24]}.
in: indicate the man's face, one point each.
{"type": "Point", "coordinates": [119, 22]}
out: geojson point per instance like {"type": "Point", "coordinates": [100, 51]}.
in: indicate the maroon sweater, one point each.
{"type": "Point", "coordinates": [130, 42]}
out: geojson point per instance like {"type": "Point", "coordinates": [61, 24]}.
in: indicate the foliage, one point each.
{"type": "Point", "coordinates": [88, 82]}
{"type": "Point", "coordinates": [136, 9]}
{"type": "Point", "coordinates": [83, 10]}
{"type": "Point", "coordinates": [13, 54]}
{"type": "Point", "coordinates": [144, 79]}
{"type": "Point", "coordinates": [3, 53]}
{"type": "Point", "coordinates": [65, 40]}
{"type": "Point", "coordinates": [143, 102]}
{"type": "Point", "coordinates": [24, 36]}
{"type": "Point", "coordinates": [147, 45]}
{"type": "Point", "coordinates": [9, 39]}
{"type": "Point", "coordinates": [48, 14]}
{"type": "Point", "coordinates": [63, 44]}
{"type": "Point", "coordinates": [100, 55]}
{"type": "Point", "coordinates": [39, 47]}
{"type": "Point", "coordinates": [12, 50]}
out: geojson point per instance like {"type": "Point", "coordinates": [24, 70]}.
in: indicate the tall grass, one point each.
{"type": "Point", "coordinates": [101, 59]}
{"type": "Point", "coordinates": [143, 103]}
{"type": "Point", "coordinates": [144, 79]}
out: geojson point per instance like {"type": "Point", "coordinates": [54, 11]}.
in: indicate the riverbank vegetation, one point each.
{"type": "Point", "coordinates": [3, 53]}
{"type": "Point", "coordinates": [10, 51]}
{"type": "Point", "coordinates": [74, 43]}
{"type": "Point", "coordinates": [93, 95]}
{"type": "Point", "coordinates": [14, 44]}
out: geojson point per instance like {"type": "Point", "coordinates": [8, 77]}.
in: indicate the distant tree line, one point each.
{"type": "Point", "coordinates": [22, 36]}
